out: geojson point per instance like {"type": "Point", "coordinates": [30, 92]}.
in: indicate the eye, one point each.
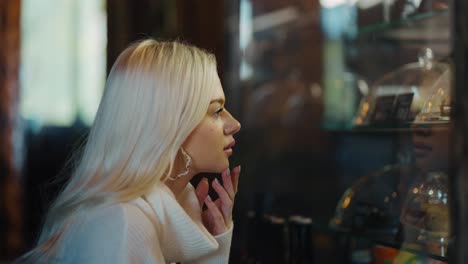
{"type": "Point", "coordinates": [219, 111]}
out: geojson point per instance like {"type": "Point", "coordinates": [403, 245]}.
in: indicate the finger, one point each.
{"type": "Point", "coordinates": [218, 219]}
{"type": "Point", "coordinates": [222, 193]}
{"type": "Point", "coordinates": [226, 211]}
{"type": "Point", "coordinates": [218, 203]}
{"type": "Point", "coordinates": [206, 220]}
{"type": "Point", "coordinates": [225, 204]}
{"type": "Point", "coordinates": [202, 191]}
{"type": "Point", "coordinates": [235, 178]}
{"type": "Point", "coordinates": [227, 183]}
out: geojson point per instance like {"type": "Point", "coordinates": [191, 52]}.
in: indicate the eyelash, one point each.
{"type": "Point", "coordinates": [219, 111]}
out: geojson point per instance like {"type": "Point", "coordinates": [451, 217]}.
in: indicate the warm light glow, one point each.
{"type": "Point", "coordinates": [365, 107]}
{"type": "Point", "coordinates": [315, 90]}
{"type": "Point", "coordinates": [346, 202]}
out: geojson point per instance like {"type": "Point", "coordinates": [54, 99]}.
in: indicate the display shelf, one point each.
{"type": "Point", "coordinates": [401, 127]}
{"type": "Point", "coordinates": [384, 127]}
{"type": "Point", "coordinates": [387, 128]}
{"type": "Point", "coordinates": [388, 241]}
{"type": "Point", "coordinates": [415, 27]}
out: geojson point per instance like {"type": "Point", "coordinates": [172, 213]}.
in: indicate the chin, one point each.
{"type": "Point", "coordinates": [225, 165]}
{"type": "Point", "coordinates": [431, 165]}
{"type": "Point", "coordinates": [423, 164]}
{"type": "Point", "coordinates": [217, 168]}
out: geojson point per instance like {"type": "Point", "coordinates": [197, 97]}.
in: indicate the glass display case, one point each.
{"type": "Point", "coordinates": [348, 130]}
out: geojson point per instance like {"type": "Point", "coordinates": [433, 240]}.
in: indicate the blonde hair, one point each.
{"type": "Point", "coordinates": [156, 94]}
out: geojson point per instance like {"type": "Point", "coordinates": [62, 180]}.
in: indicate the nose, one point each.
{"type": "Point", "coordinates": [421, 130]}
{"type": "Point", "coordinates": [232, 125]}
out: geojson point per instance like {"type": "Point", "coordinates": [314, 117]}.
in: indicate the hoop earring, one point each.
{"type": "Point", "coordinates": [188, 162]}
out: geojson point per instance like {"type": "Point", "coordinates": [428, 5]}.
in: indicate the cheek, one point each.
{"type": "Point", "coordinates": [204, 142]}
{"type": "Point", "coordinates": [211, 142]}
{"type": "Point", "coordinates": [207, 135]}
{"type": "Point", "coordinates": [206, 146]}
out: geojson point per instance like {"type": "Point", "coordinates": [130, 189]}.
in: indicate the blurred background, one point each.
{"type": "Point", "coordinates": [332, 96]}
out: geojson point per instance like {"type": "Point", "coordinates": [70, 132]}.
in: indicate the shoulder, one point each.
{"type": "Point", "coordinates": [115, 231]}
{"type": "Point", "coordinates": [124, 220]}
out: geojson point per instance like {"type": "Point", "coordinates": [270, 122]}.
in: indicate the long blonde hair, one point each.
{"type": "Point", "coordinates": [155, 96]}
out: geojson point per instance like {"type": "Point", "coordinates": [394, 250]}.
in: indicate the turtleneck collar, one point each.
{"type": "Point", "coordinates": [181, 232]}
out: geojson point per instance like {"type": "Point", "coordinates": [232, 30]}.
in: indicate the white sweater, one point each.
{"type": "Point", "coordinates": [155, 228]}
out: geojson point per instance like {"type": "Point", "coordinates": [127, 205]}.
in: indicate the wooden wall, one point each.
{"type": "Point", "coordinates": [11, 240]}
{"type": "Point", "coordinates": [197, 22]}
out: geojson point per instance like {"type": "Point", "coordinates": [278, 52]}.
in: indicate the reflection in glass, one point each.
{"type": "Point", "coordinates": [400, 95]}
{"type": "Point", "coordinates": [425, 214]}
{"type": "Point", "coordinates": [438, 105]}
{"type": "Point", "coordinates": [372, 205]}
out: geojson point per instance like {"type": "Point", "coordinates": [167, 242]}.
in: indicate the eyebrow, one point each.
{"type": "Point", "coordinates": [219, 100]}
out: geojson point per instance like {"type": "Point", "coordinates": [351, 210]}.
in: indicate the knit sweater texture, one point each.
{"type": "Point", "coordinates": [155, 228]}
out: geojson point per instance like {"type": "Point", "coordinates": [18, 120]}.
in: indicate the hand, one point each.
{"type": "Point", "coordinates": [217, 218]}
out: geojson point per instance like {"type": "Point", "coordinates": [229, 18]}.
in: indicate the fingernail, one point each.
{"type": "Point", "coordinates": [239, 168]}
{"type": "Point", "coordinates": [228, 172]}
{"type": "Point", "coordinates": [208, 198]}
{"type": "Point", "coordinates": [205, 179]}
{"type": "Point", "coordinates": [216, 181]}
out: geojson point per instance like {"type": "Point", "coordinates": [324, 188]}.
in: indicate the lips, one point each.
{"type": "Point", "coordinates": [232, 144]}
{"type": "Point", "coordinates": [421, 150]}
{"type": "Point", "coordinates": [422, 146]}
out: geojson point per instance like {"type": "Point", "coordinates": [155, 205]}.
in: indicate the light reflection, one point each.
{"type": "Point", "coordinates": [346, 202]}
{"type": "Point", "coordinates": [332, 3]}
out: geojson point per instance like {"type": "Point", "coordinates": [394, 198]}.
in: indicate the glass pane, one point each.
{"type": "Point", "coordinates": [63, 60]}
{"type": "Point", "coordinates": [347, 120]}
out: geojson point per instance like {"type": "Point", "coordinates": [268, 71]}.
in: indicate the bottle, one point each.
{"type": "Point", "coordinates": [361, 256]}
{"type": "Point", "coordinates": [274, 248]}
{"type": "Point", "coordinates": [300, 238]}
{"type": "Point", "coordinates": [251, 252]}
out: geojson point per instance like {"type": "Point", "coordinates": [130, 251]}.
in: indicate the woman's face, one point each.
{"type": "Point", "coordinates": [210, 143]}
{"type": "Point", "coordinates": [431, 146]}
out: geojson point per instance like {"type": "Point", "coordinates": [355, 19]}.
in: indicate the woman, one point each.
{"type": "Point", "coordinates": [160, 122]}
